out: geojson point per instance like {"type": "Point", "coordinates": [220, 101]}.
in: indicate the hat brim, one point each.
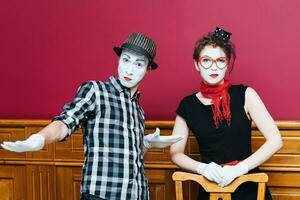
{"type": "Point", "coordinates": [118, 51]}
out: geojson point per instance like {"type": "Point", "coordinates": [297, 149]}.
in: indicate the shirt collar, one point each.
{"type": "Point", "coordinates": [136, 95]}
{"type": "Point", "coordinates": [120, 88]}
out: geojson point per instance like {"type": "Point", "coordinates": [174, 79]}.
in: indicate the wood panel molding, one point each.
{"type": "Point", "coordinates": [55, 171]}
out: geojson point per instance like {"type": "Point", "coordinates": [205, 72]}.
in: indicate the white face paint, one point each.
{"type": "Point", "coordinates": [132, 68]}
{"type": "Point", "coordinates": [212, 75]}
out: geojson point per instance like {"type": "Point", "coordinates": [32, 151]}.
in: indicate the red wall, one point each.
{"type": "Point", "coordinates": [49, 47]}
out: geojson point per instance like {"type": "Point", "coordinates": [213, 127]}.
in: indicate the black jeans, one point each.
{"type": "Point", "coordinates": [85, 196]}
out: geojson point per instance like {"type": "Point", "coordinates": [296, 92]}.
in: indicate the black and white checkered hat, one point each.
{"type": "Point", "coordinates": [141, 44]}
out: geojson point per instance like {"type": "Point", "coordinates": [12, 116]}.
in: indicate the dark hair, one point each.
{"type": "Point", "coordinates": [210, 39]}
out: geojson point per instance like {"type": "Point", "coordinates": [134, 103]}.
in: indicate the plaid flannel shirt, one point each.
{"type": "Point", "coordinates": [113, 126]}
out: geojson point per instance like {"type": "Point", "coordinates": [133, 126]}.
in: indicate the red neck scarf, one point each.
{"type": "Point", "coordinates": [219, 96]}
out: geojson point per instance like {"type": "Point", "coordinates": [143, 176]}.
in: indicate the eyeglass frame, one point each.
{"type": "Point", "coordinates": [213, 61]}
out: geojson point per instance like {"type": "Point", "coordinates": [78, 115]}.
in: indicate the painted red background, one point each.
{"type": "Point", "coordinates": [48, 48]}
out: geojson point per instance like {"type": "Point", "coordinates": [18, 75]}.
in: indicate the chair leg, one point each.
{"type": "Point", "coordinates": [261, 191]}
{"type": "Point", "coordinates": [179, 192]}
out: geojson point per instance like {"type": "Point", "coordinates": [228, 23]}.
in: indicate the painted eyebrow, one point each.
{"type": "Point", "coordinates": [126, 55]}
{"type": "Point", "coordinates": [139, 59]}
{"type": "Point", "coordinates": [143, 60]}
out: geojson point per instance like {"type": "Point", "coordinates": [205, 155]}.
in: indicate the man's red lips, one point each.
{"type": "Point", "coordinates": [127, 78]}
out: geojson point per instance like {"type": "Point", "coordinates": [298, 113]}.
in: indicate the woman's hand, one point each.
{"type": "Point", "coordinates": [232, 172]}
{"type": "Point", "coordinates": [211, 171]}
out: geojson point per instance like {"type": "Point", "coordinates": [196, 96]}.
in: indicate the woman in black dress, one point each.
{"type": "Point", "coordinates": [220, 116]}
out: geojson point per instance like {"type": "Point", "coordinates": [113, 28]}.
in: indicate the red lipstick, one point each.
{"type": "Point", "coordinates": [214, 75]}
{"type": "Point", "coordinates": [127, 78]}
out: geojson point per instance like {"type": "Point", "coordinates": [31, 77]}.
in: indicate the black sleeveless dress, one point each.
{"type": "Point", "coordinates": [225, 144]}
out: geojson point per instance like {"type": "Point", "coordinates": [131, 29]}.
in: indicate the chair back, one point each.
{"type": "Point", "coordinates": [217, 192]}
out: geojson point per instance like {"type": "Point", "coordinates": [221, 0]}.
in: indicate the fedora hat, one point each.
{"type": "Point", "coordinates": [141, 44]}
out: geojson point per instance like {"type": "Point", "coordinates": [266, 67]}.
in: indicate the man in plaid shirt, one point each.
{"type": "Point", "coordinates": [113, 124]}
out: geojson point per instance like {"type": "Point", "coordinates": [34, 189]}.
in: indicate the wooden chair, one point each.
{"type": "Point", "coordinates": [217, 192]}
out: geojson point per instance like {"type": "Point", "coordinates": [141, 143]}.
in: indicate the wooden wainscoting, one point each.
{"type": "Point", "coordinates": [55, 171]}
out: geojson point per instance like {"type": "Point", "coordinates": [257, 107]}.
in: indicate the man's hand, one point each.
{"type": "Point", "coordinates": [211, 171]}
{"type": "Point", "coordinates": [232, 172]}
{"type": "Point", "coordinates": [34, 143]}
{"type": "Point", "coordinates": [157, 141]}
